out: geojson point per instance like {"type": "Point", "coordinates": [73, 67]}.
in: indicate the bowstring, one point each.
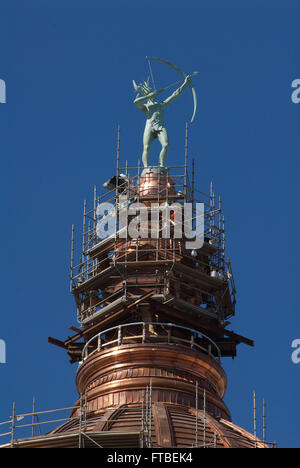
{"type": "Point", "coordinates": [151, 74]}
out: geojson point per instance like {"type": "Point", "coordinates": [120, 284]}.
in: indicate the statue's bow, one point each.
{"type": "Point", "coordinates": [182, 74]}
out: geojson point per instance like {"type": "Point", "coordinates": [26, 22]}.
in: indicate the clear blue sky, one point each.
{"type": "Point", "coordinates": [68, 67]}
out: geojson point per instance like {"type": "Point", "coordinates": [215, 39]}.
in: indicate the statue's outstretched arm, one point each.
{"type": "Point", "coordinates": [176, 94]}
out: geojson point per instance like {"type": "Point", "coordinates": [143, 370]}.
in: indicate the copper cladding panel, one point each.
{"type": "Point", "coordinates": [171, 426]}
{"type": "Point", "coordinates": [156, 185]}
{"type": "Point", "coordinates": [119, 376]}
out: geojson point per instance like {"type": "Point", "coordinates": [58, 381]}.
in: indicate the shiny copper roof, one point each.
{"type": "Point", "coordinates": [149, 358]}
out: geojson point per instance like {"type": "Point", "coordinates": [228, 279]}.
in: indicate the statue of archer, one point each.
{"type": "Point", "coordinates": [154, 111]}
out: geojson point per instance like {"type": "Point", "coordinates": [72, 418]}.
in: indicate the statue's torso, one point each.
{"type": "Point", "coordinates": [155, 116]}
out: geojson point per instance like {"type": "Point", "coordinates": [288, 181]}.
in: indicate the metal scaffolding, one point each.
{"type": "Point", "coordinates": [118, 254]}
{"type": "Point", "coordinates": [76, 433]}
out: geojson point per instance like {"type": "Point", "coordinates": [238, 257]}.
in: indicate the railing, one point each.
{"type": "Point", "coordinates": [146, 333]}
{"type": "Point", "coordinates": [31, 423]}
{"type": "Point", "coordinates": [25, 426]}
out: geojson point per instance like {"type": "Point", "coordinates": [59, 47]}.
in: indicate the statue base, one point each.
{"type": "Point", "coordinates": [156, 184]}
{"type": "Point", "coordinates": [155, 170]}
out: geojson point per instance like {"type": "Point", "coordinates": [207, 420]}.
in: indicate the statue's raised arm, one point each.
{"type": "Point", "coordinates": [176, 94]}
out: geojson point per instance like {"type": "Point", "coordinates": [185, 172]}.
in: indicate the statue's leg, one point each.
{"type": "Point", "coordinates": [164, 141]}
{"type": "Point", "coordinates": [147, 142]}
